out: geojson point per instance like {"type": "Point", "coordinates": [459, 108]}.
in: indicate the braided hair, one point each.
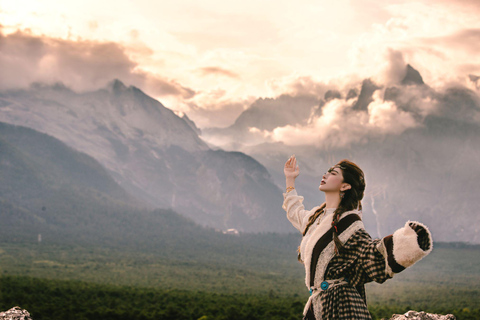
{"type": "Point", "coordinates": [350, 200]}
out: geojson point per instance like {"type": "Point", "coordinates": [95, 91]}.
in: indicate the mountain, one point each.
{"type": "Point", "coordinates": [53, 194]}
{"type": "Point", "coordinates": [48, 188]}
{"type": "Point", "coordinates": [427, 172]}
{"type": "Point", "coordinates": [152, 153]}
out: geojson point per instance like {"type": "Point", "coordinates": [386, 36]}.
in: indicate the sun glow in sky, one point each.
{"type": "Point", "coordinates": [221, 55]}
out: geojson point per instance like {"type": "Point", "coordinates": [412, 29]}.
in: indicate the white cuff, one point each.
{"type": "Point", "coordinates": [406, 250]}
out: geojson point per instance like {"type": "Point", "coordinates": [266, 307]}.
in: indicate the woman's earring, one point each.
{"type": "Point", "coordinates": [342, 194]}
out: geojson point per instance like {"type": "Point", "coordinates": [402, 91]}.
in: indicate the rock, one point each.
{"type": "Point", "coordinates": [414, 315]}
{"type": "Point", "coordinates": [16, 313]}
{"type": "Point", "coordinates": [412, 77]}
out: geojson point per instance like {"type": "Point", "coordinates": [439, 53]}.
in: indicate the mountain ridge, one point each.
{"type": "Point", "coordinates": [155, 155]}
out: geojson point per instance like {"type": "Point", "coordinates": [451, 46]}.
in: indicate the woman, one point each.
{"type": "Point", "coordinates": [338, 254]}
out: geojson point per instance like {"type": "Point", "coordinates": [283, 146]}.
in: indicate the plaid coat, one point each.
{"type": "Point", "coordinates": [362, 259]}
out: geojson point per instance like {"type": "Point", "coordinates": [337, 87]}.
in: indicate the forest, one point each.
{"type": "Point", "coordinates": [75, 282]}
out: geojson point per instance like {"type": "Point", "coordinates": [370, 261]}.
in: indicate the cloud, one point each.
{"type": "Point", "coordinates": [206, 71]}
{"type": "Point", "coordinates": [466, 5]}
{"type": "Point", "coordinates": [436, 36]}
{"type": "Point", "coordinates": [84, 65]}
{"type": "Point", "coordinates": [339, 125]}
{"type": "Point", "coordinates": [394, 68]}
{"type": "Point", "coordinates": [157, 86]}
{"type": "Point", "coordinates": [386, 118]}
{"type": "Point", "coordinates": [467, 40]}
{"type": "Point", "coordinates": [297, 86]}
{"type": "Point", "coordinates": [208, 28]}
{"type": "Point", "coordinates": [213, 109]}
{"type": "Point", "coordinates": [391, 111]}
{"type": "Point", "coordinates": [79, 64]}
{"type": "Point", "coordinates": [389, 107]}
{"type": "Point", "coordinates": [459, 103]}
{"type": "Point", "coordinates": [223, 115]}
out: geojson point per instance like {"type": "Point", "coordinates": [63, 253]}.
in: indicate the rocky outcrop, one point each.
{"type": "Point", "coordinates": [412, 77]}
{"type": "Point", "coordinates": [414, 315]}
{"type": "Point", "coordinates": [16, 313]}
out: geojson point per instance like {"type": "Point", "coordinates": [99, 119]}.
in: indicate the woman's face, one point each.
{"type": "Point", "coordinates": [332, 180]}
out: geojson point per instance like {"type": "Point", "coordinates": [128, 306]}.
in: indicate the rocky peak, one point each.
{"type": "Point", "coordinates": [412, 77]}
{"type": "Point", "coordinates": [366, 95]}
{"type": "Point", "coordinates": [332, 94]}
{"type": "Point", "coordinates": [116, 86]}
{"type": "Point", "coordinates": [352, 93]}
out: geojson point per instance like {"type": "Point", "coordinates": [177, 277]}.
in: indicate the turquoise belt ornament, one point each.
{"type": "Point", "coordinates": [324, 285]}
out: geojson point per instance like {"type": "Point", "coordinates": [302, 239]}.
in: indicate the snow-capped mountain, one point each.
{"type": "Point", "coordinates": [152, 153]}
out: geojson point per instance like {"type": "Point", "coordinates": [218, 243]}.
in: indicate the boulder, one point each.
{"type": "Point", "coordinates": [415, 315]}
{"type": "Point", "coordinates": [16, 313]}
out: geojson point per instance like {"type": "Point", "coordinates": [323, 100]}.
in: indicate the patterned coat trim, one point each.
{"type": "Point", "coordinates": [351, 224]}
{"type": "Point", "coordinates": [328, 252]}
{"type": "Point", "coordinates": [382, 248]}
{"type": "Point", "coordinates": [361, 262]}
{"type": "Point", "coordinates": [391, 262]}
{"type": "Point", "coordinates": [344, 224]}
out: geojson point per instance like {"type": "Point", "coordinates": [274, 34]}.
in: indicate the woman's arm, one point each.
{"type": "Point", "coordinates": [293, 203]}
{"type": "Point", "coordinates": [364, 260]}
{"type": "Point", "coordinates": [382, 258]}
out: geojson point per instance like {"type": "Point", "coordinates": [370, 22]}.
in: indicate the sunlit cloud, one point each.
{"type": "Point", "coordinates": [185, 53]}
{"type": "Point", "coordinates": [339, 125]}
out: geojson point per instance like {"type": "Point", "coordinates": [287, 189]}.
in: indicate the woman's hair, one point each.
{"type": "Point", "coordinates": [351, 199]}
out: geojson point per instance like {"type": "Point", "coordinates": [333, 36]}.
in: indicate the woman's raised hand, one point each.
{"type": "Point", "coordinates": [291, 169]}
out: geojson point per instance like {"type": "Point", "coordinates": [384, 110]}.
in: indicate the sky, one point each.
{"type": "Point", "coordinates": [212, 59]}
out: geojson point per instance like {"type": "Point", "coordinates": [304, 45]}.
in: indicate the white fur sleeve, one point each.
{"type": "Point", "coordinates": [406, 246]}
{"type": "Point", "coordinates": [293, 205]}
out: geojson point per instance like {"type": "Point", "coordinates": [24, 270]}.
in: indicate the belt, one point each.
{"type": "Point", "coordinates": [324, 286]}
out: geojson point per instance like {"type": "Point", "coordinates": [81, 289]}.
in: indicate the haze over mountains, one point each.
{"type": "Point", "coordinates": [418, 147]}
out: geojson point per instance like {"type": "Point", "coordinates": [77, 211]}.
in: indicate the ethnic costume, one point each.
{"type": "Point", "coordinates": [336, 281]}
